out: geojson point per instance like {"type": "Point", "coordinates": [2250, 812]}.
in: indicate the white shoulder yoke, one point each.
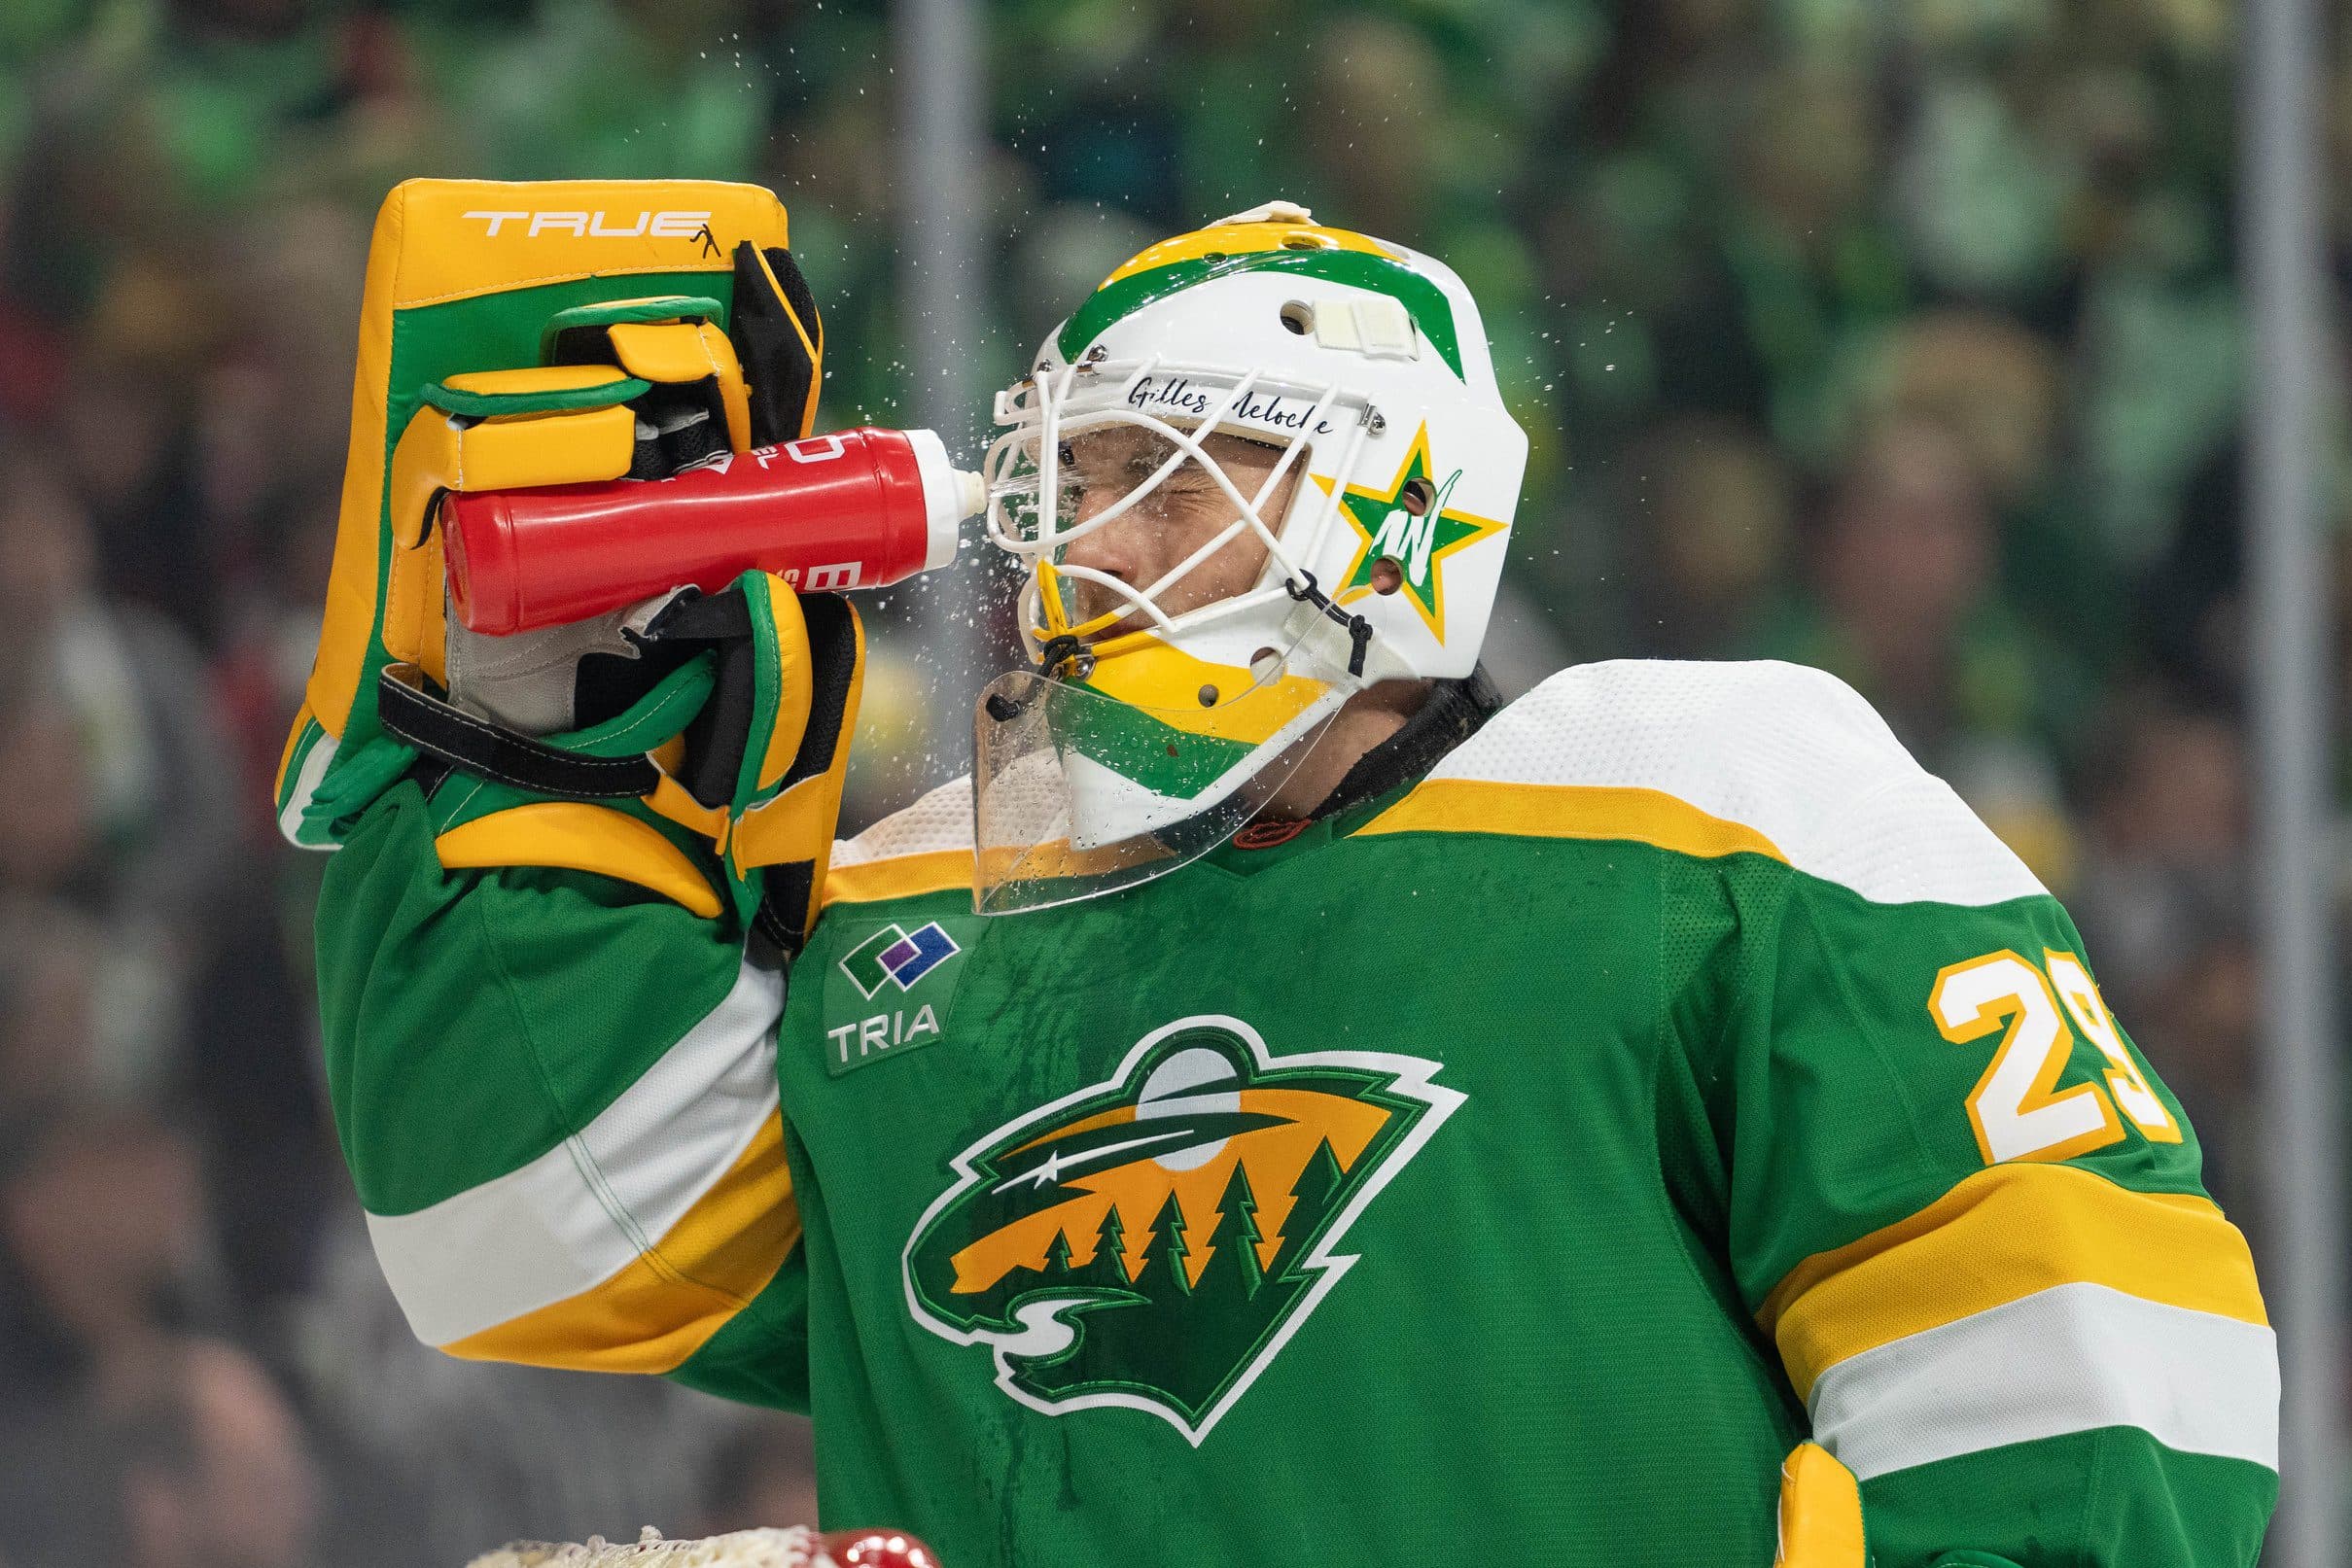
{"type": "Point", "coordinates": [1791, 754]}
{"type": "Point", "coordinates": [927, 847]}
{"type": "Point", "coordinates": [941, 821]}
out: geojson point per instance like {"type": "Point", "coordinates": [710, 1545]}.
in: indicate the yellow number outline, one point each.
{"type": "Point", "coordinates": [2070, 978]}
{"type": "Point", "coordinates": [2003, 1111]}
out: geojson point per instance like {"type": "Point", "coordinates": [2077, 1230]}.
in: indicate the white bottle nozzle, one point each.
{"type": "Point", "coordinates": [949, 496]}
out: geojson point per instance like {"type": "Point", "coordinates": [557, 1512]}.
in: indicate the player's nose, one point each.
{"type": "Point", "coordinates": [1112, 550]}
{"type": "Point", "coordinates": [1118, 549]}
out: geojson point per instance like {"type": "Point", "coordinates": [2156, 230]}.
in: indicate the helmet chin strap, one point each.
{"type": "Point", "coordinates": [1061, 649]}
{"type": "Point", "coordinates": [1360, 630]}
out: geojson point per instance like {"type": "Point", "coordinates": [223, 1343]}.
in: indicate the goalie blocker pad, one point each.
{"type": "Point", "coordinates": [540, 329]}
{"type": "Point", "coordinates": [743, 745]}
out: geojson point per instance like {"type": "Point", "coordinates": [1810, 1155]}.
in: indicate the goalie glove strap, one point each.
{"type": "Point", "coordinates": [469, 744]}
{"type": "Point", "coordinates": [763, 706]}
{"type": "Point", "coordinates": [449, 734]}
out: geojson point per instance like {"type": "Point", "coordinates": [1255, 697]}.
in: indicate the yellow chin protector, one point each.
{"type": "Point", "coordinates": [507, 333]}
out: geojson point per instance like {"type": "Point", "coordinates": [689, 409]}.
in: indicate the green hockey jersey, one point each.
{"type": "Point", "coordinates": [1519, 1162]}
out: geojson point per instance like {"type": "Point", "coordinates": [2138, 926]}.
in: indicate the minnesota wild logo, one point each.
{"type": "Point", "coordinates": [1151, 1241]}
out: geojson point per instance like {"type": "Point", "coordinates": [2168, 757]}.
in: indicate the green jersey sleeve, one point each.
{"type": "Point", "coordinates": [554, 1082]}
{"type": "Point", "coordinates": [1957, 1202]}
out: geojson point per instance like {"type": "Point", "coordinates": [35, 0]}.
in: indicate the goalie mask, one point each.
{"type": "Point", "coordinates": [1334, 393]}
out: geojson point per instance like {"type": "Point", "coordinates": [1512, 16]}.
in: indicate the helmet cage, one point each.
{"type": "Point", "coordinates": [1027, 494]}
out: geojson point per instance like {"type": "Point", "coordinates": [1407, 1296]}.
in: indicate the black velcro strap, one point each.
{"type": "Point", "coordinates": [701, 617]}
{"type": "Point", "coordinates": [489, 751]}
{"type": "Point", "coordinates": [717, 739]}
{"type": "Point", "coordinates": [833, 627]}
{"type": "Point", "coordinates": [833, 662]}
{"type": "Point", "coordinates": [778, 339]}
{"type": "Point", "coordinates": [770, 921]}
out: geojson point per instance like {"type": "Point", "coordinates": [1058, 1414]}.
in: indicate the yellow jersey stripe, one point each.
{"type": "Point", "coordinates": [1999, 1236]}
{"type": "Point", "coordinates": [664, 1307]}
{"type": "Point", "coordinates": [1568, 812]}
{"type": "Point", "coordinates": [579, 837]}
{"type": "Point", "coordinates": [901, 876]}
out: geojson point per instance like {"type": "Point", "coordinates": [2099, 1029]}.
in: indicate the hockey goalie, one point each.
{"type": "Point", "coordinates": [1281, 1104]}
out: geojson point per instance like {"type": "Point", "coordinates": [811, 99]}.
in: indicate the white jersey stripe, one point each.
{"type": "Point", "coordinates": [2072, 1358]}
{"type": "Point", "coordinates": [582, 1211]}
{"type": "Point", "coordinates": [1788, 752]}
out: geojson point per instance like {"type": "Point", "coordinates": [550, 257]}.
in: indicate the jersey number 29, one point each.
{"type": "Point", "coordinates": [2017, 1108]}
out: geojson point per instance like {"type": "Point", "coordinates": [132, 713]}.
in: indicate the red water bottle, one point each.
{"type": "Point", "coordinates": [860, 509]}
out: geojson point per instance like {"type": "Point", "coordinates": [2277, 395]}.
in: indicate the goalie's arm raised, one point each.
{"type": "Point", "coordinates": [556, 1093]}
{"type": "Point", "coordinates": [551, 1004]}
{"type": "Point", "coordinates": [550, 1039]}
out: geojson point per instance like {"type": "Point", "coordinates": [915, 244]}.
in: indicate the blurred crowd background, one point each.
{"type": "Point", "coordinates": [1901, 340]}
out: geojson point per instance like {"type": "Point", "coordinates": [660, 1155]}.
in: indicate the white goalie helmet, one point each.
{"type": "Point", "coordinates": [1142, 736]}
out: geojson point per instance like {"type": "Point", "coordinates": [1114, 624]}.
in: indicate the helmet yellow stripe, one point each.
{"type": "Point", "coordinates": [1243, 239]}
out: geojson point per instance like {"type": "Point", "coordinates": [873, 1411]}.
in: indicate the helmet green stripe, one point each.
{"type": "Point", "coordinates": [1122, 297]}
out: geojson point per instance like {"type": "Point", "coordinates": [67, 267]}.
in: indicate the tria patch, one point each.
{"type": "Point", "coordinates": [897, 957]}
{"type": "Point", "coordinates": [890, 993]}
{"type": "Point", "coordinates": [1154, 1240]}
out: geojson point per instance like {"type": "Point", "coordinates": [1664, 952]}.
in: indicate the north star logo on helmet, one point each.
{"type": "Point", "coordinates": [1151, 1241]}
{"type": "Point", "coordinates": [1418, 542]}
{"type": "Point", "coordinates": [592, 225]}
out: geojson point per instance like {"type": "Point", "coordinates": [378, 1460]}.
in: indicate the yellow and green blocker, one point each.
{"type": "Point", "coordinates": [509, 337]}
